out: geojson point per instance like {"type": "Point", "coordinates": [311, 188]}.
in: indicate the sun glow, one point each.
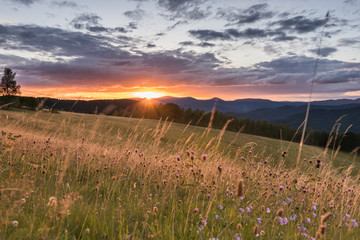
{"type": "Point", "coordinates": [148, 95]}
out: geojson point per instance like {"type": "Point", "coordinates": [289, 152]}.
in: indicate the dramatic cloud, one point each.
{"type": "Point", "coordinates": [69, 4]}
{"type": "Point", "coordinates": [324, 52]}
{"type": "Point", "coordinates": [250, 15]}
{"type": "Point", "coordinates": [301, 24]}
{"type": "Point", "coordinates": [25, 2]}
{"type": "Point", "coordinates": [135, 14]}
{"type": "Point", "coordinates": [342, 76]}
{"type": "Point", "coordinates": [233, 34]}
{"type": "Point", "coordinates": [348, 42]}
{"type": "Point", "coordinates": [91, 22]}
{"type": "Point", "coordinates": [187, 9]}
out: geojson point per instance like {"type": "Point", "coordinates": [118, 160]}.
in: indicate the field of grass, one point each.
{"type": "Point", "coordinates": [77, 176]}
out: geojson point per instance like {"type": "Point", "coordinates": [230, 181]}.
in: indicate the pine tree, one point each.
{"type": "Point", "coordinates": [8, 85]}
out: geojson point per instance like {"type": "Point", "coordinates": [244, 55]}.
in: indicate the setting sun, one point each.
{"type": "Point", "coordinates": [148, 95]}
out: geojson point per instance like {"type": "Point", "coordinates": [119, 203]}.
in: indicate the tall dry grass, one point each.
{"type": "Point", "coordinates": [74, 176]}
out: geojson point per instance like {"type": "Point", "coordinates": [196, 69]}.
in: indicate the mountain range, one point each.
{"type": "Point", "coordinates": [323, 114]}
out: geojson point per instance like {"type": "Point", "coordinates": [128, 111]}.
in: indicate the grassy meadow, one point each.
{"type": "Point", "coordinates": [77, 176]}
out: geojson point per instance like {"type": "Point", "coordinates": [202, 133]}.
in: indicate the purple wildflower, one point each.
{"type": "Point", "coordinates": [281, 187]}
{"type": "Point", "coordinates": [268, 210]}
{"type": "Point", "coordinates": [164, 181]}
{"type": "Point", "coordinates": [221, 207]}
{"type": "Point", "coordinates": [178, 158]}
{"type": "Point", "coordinates": [196, 210]}
{"type": "Point", "coordinates": [217, 217]}
{"type": "Point", "coordinates": [354, 222]}
{"type": "Point", "coordinates": [315, 204]}
{"type": "Point", "coordinates": [241, 209]}
{"type": "Point", "coordinates": [347, 215]}
{"type": "Point", "coordinates": [204, 156]}
{"type": "Point", "coordinates": [260, 220]}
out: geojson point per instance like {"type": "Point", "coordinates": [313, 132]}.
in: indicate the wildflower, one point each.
{"type": "Point", "coordinates": [208, 195]}
{"type": "Point", "coordinates": [136, 150]}
{"type": "Point", "coordinates": [260, 220]}
{"type": "Point", "coordinates": [248, 209]}
{"type": "Point", "coordinates": [155, 209]}
{"type": "Point", "coordinates": [288, 199]}
{"type": "Point", "coordinates": [164, 181]}
{"type": "Point", "coordinates": [266, 161]}
{"type": "Point", "coordinates": [244, 159]}
{"type": "Point", "coordinates": [221, 207]}
{"type": "Point", "coordinates": [237, 237]}
{"type": "Point", "coordinates": [204, 156]}
{"type": "Point", "coordinates": [87, 231]}
{"type": "Point", "coordinates": [315, 204]}
{"type": "Point", "coordinates": [347, 215]}
{"type": "Point", "coordinates": [354, 222]}
{"type": "Point", "coordinates": [293, 218]}
{"type": "Point", "coordinates": [268, 210]}
{"type": "Point", "coordinates": [220, 168]}
{"type": "Point", "coordinates": [284, 203]}
{"type": "Point", "coordinates": [283, 221]}
{"type": "Point", "coordinates": [178, 158]}
{"type": "Point", "coordinates": [216, 217]}
{"type": "Point", "coordinates": [281, 187]}
{"type": "Point", "coordinates": [196, 210]}
{"type": "Point", "coordinates": [346, 224]}
{"type": "Point", "coordinates": [314, 214]}
{"type": "Point", "coordinates": [52, 202]}
{"type": "Point", "coordinates": [15, 223]}
{"type": "Point", "coordinates": [308, 220]}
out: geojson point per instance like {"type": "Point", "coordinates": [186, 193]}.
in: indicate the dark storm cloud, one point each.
{"type": "Point", "coordinates": [324, 52]}
{"type": "Point", "coordinates": [233, 34]}
{"type": "Point", "coordinates": [300, 24]}
{"type": "Point", "coordinates": [252, 14]}
{"type": "Point", "coordinates": [69, 4]}
{"type": "Point", "coordinates": [137, 14]}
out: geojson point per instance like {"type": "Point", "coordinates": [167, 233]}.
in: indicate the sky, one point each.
{"type": "Point", "coordinates": [87, 49]}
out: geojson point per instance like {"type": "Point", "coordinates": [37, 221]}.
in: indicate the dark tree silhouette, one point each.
{"type": "Point", "coordinates": [8, 85]}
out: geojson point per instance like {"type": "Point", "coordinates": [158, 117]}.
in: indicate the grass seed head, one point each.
{"type": "Point", "coordinates": [240, 188]}
{"type": "Point", "coordinates": [280, 212]}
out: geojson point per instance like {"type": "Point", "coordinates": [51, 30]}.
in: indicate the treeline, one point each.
{"type": "Point", "coordinates": [173, 112]}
